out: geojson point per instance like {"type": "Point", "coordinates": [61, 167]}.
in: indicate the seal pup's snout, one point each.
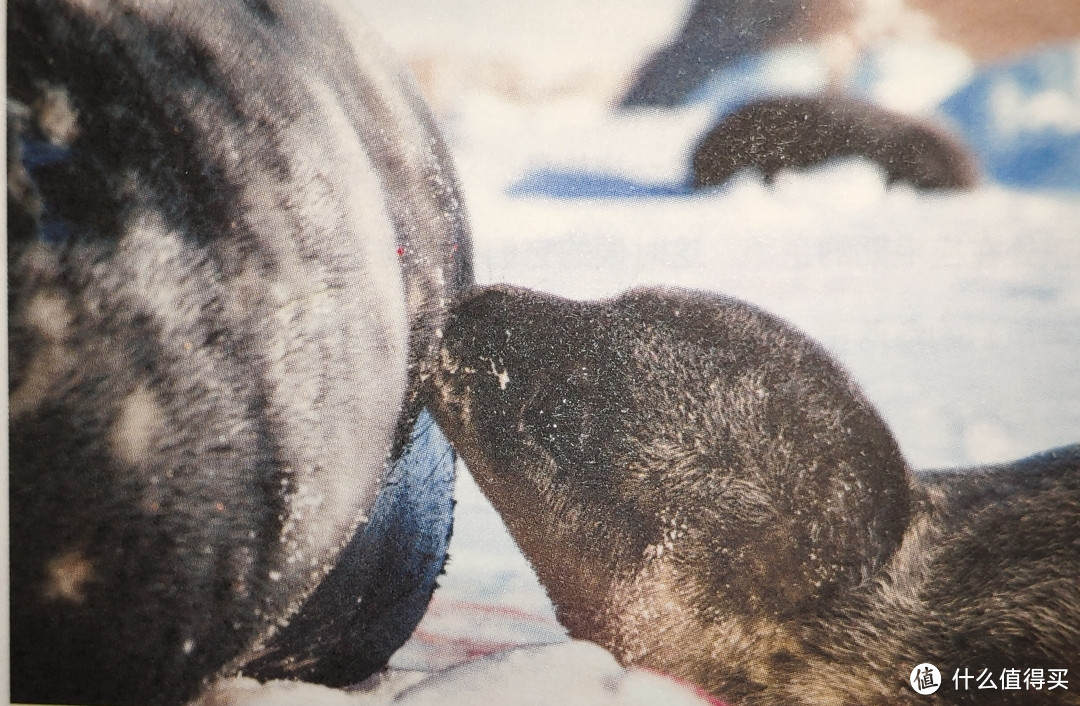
{"type": "Point", "coordinates": [474, 363]}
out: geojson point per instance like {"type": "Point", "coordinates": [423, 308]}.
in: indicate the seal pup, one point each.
{"type": "Point", "coordinates": [797, 133]}
{"type": "Point", "coordinates": [986, 581]}
{"type": "Point", "coordinates": [703, 490]}
{"type": "Point", "coordinates": [687, 474]}
{"type": "Point", "coordinates": [233, 234]}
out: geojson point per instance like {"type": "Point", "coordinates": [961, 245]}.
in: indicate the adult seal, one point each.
{"type": "Point", "coordinates": [233, 234]}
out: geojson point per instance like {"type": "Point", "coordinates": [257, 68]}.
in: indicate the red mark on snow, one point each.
{"type": "Point", "coordinates": [442, 606]}
{"type": "Point", "coordinates": [400, 252]}
{"type": "Point", "coordinates": [465, 648]}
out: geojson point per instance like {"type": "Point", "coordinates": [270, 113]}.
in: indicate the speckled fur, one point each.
{"type": "Point", "coordinates": [772, 134]}
{"type": "Point", "coordinates": [702, 490]}
{"type": "Point", "coordinates": [233, 234]}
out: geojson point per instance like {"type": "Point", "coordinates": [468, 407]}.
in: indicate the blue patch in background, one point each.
{"type": "Point", "coordinates": [570, 184]}
{"type": "Point", "coordinates": [1022, 119]}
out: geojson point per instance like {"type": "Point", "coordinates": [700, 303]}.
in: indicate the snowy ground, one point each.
{"type": "Point", "coordinates": [959, 314]}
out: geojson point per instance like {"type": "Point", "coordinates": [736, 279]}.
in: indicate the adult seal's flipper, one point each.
{"type": "Point", "coordinates": [370, 603]}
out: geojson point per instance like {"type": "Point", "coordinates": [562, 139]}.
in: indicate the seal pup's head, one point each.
{"type": "Point", "coordinates": [676, 465]}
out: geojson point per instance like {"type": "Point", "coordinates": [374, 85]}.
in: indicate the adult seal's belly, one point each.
{"type": "Point", "coordinates": [233, 234]}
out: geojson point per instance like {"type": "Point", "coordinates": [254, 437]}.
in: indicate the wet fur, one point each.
{"type": "Point", "coordinates": [773, 134]}
{"type": "Point", "coordinates": [233, 234]}
{"type": "Point", "coordinates": [703, 491]}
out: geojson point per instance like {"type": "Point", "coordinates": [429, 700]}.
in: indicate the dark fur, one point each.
{"type": "Point", "coordinates": [796, 133]}
{"type": "Point", "coordinates": [233, 234]}
{"type": "Point", "coordinates": [702, 490]}
{"type": "Point", "coordinates": [716, 34]}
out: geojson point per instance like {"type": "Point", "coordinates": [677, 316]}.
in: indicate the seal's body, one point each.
{"type": "Point", "coordinates": [772, 134]}
{"type": "Point", "coordinates": [986, 580]}
{"type": "Point", "coordinates": [233, 233]}
{"type": "Point", "coordinates": [702, 490]}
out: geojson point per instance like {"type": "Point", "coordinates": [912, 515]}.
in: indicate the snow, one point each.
{"type": "Point", "coordinates": [571, 674]}
{"type": "Point", "coordinates": [957, 313]}
{"type": "Point", "coordinates": [912, 76]}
